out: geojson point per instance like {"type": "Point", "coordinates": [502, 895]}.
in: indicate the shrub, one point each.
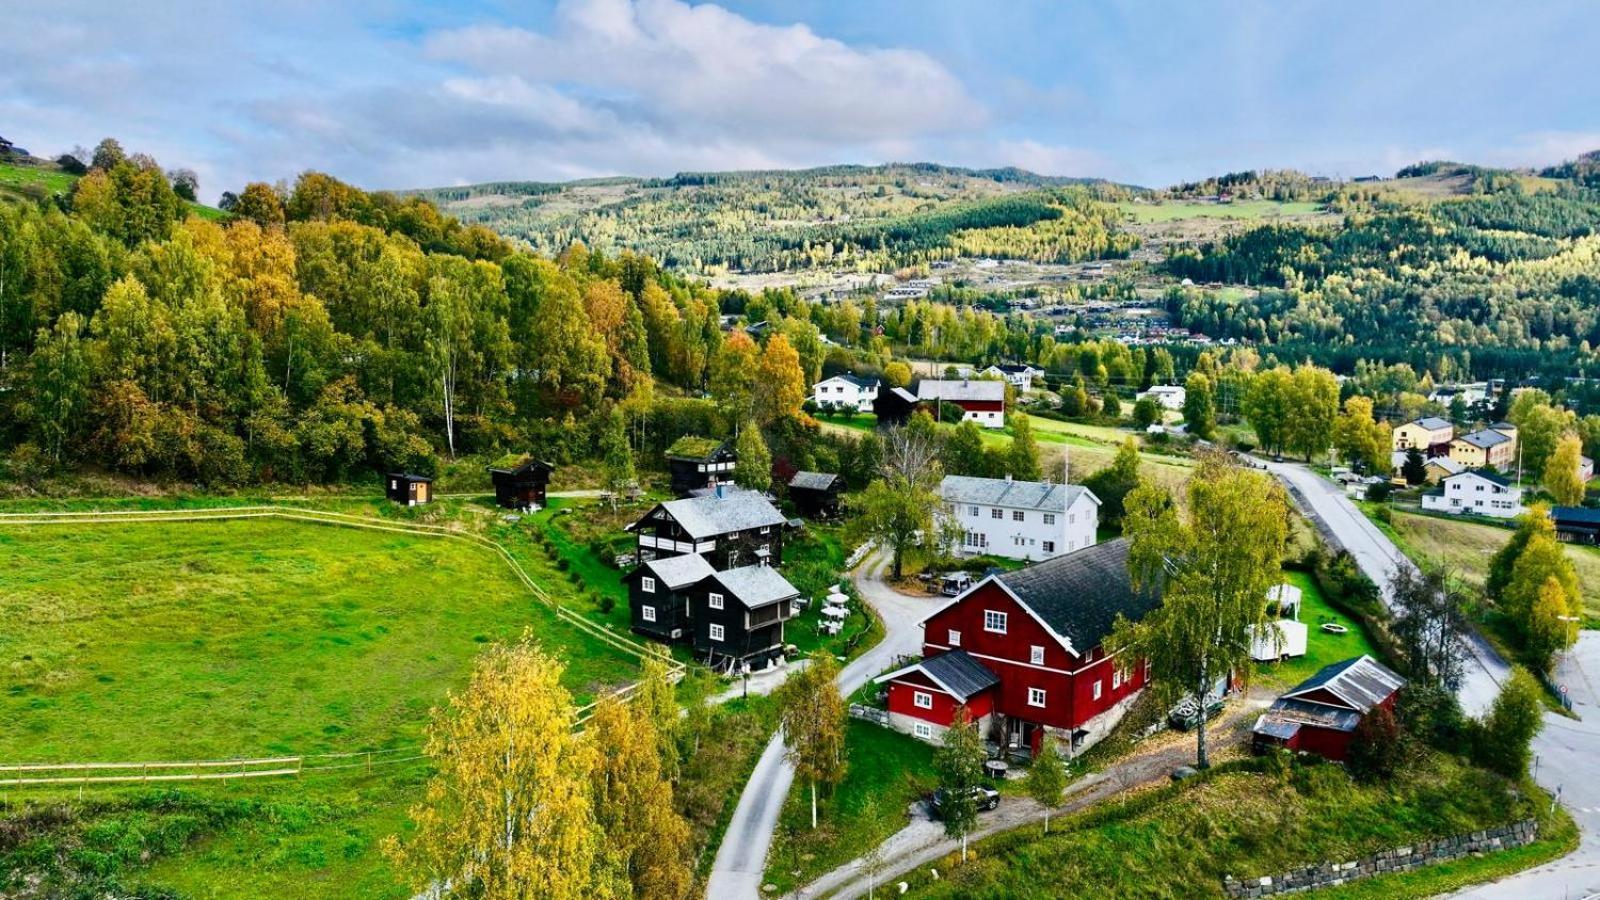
{"type": "Point", "coordinates": [563, 563]}
{"type": "Point", "coordinates": [607, 603]}
{"type": "Point", "coordinates": [1432, 714]}
{"type": "Point", "coordinates": [1375, 748]}
{"type": "Point", "coordinates": [1503, 743]}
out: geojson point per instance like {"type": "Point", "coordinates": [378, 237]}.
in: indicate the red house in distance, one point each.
{"type": "Point", "coordinates": [1037, 632]}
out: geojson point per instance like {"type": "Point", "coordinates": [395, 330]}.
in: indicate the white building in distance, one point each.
{"type": "Point", "coordinates": [1029, 520]}
{"type": "Point", "coordinates": [981, 401]}
{"type": "Point", "coordinates": [1167, 396]}
{"type": "Point", "coordinates": [845, 390]}
{"type": "Point", "coordinates": [1477, 492]}
{"type": "Point", "coordinates": [1021, 376]}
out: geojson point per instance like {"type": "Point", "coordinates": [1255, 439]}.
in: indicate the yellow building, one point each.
{"type": "Point", "coordinates": [1489, 447]}
{"type": "Point", "coordinates": [1423, 433]}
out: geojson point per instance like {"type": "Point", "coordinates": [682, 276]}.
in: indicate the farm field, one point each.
{"type": "Point", "coordinates": [1153, 213]}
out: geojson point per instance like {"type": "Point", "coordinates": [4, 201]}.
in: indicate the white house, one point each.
{"type": "Point", "coordinates": [1167, 396]}
{"type": "Point", "coordinates": [1477, 492]}
{"type": "Point", "coordinates": [845, 390]}
{"type": "Point", "coordinates": [1029, 520]}
{"type": "Point", "coordinates": [1022, 377]}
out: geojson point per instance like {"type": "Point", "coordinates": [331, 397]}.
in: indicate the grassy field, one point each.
{"type": "Point", "coordinates": [887, 772]}
{"type": "Point", "coordinates": [15, 181]}
{"type": "Point", "coordinates": [1249, 824]}
{"type": "Point", "coordinates": [1240, 209]}
{"type": "Point", "coordinates": [1465, 548]}
{"type": "Point", "coordinates": [1322, 647]}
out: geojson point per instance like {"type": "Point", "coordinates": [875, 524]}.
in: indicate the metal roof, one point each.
{"type": "Point", "coordinates": [1285, 716]}
{"type": "Point", "coordinates": [1432, 423]}
{"type": "Point", "coordinates": [756, 586]}
{"type": "Point", "coordinates": [735, 509]}
{"type": "Point", "coordinates": [955, 671]}
{"type": "Point", "coordinates": [1361, 683]}
{"type": "Point", "coordinates": [965, 389]}
{"type": "Point", "coordinates": [1484, 439]}
{"type": "Point", "coordinates": [1012, 494]}
{"type": "Point", "coordinates": [1484, 474]}
{"type": "Point", "coordinates": [815, 481]}
{"type": "Point", "coordinates": [1080, 594]}
{"type": "Point", "coordinates": [857, 380]}
{"type": "Point", "coordinates": [680, 571]}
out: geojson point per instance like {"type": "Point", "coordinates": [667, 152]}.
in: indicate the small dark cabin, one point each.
{"type": "Point", "coordinates": [407, 489]}
{"type": "Point", "coordinates": [520, 481]}
{"type": "Point", "coordinates": [737, 617]}
{"type": "Point", "coordinates": [1576, 524]}
{"type": "Point", "coordinates": [894, 406]}
{"type": "Point", "coordinates": [816, 494]}
{"type": "Point", "coordinates": [658, 595]}
{"type": "Point", "coordinates": [697, 462]}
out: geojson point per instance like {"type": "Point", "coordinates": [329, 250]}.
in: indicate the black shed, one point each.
{"type": "Point", "coordinates": [407, 489]}
{"type": "Point", "coordinates": [696, 462]}
{"type": "Point", "coordinates": [1577, 524]}
{"type": "Point", "coordinates": [894, 406]}
{"type": "Point", "coordinates": [520, 481]}
{"type": "Point", "coordinates": [816, 494]}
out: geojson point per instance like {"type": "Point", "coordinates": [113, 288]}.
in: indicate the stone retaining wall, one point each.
{"type": "Point", "coordinates": [1401, 859]}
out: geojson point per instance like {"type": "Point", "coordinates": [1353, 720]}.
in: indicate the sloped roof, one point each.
{"type": "Point", "coordinates": [1038, 495]}
{"type": "Point", "coordinates": [517, 462]}
{"type": "Point", "coordinates": [1576, 515]}
{"type": "Point", "coordinates": [813, 481]}
{"type": "Point", "coordinates": [956, 671]}
{"type": "Point", "coordinates": [679, 571]}
{"type": "Point", "coordinates": [756, 586]}
{"type": "Point", "coordinates": [1485, 474]}
{"type": "Point", "coordinates": [1361, 683]}
{"type": "Point", "coordinates": [1432, 423]}
{"type": "Point", "coordinates": [1448, 464]}
{"type": "Point", "coordinates": [692, 446]}
{"type": "Point", "coordinates": [857, 380]}
{"type": "Point", "coordinates": [735, 510]}
{"type": "Point", "coordinates": [1286, 715]}
{"type": "Point", "coordinates": [1080, 594]}
{"type": "Point", "coordinates": [1484, 439]}
{"type": "Point", "coordinates": [1013, 368]}
{"type": "Point", "coordinates": [965, 389]}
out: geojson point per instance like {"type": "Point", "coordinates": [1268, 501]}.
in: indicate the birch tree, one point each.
{"type": "Point", "coordinates": [813, 717]}
{"type": "Point", "coordinates": [633, 801]}
{"type": "Point", "coordinates": [959, 765]}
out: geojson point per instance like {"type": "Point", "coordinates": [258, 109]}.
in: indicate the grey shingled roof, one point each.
{"type": "Point", "coordinates": [1433, 423]}
{"type": "Point", "coordinates": [1012, 494]}
{"type": "Point", "coordinates": [1484, 439]}
{"type": "Point", "coordinates": [711, 515]}
{"type": "Point", "coordinates": [680, 571]}
{"type": "Point", "coordinates": [966, 389]}
{"type": "Point", "coordinates": [756, 586]}
{"type": "Point", "coordinates": [1362, 682]}
{"type": "Point", "coordinates": [954, 670]}
{"type": "Point", "coordinates": [815, 481]}
{"type": "Point", "coordinates": [1080, 594]}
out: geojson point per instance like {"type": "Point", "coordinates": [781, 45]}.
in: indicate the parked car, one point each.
{"type": "Point", "coordinates": [987, 799]}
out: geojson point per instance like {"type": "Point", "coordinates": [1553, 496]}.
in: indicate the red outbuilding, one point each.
{"type": "Point", "coordinates": [1038, 631]}
{"type": "Point", "coordinates": [1320, 714]}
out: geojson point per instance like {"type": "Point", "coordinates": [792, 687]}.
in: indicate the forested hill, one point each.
{"type": "Point", "coordinates": [761, 221]}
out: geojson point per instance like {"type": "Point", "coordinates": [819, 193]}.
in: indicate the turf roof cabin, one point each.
{"type": "Point", "coordinates": [407, 489]}
{"type": "Point", "coordinates": [520, 482]}
{"type": "Point", "coordinates": [816, 494]}
{"type": "Point", "coordinates": [698, 462]}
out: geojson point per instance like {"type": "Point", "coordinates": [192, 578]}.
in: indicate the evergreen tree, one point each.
{"type": "Point", "coordinates": [1415, 468]}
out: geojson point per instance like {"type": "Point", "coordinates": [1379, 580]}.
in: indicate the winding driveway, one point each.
{"type": "Point", "coordinates": [742, 858]}
{"type": "Point", "coordinates": [1568, 752]}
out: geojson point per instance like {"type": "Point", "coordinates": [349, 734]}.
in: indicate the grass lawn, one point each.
{"type": "Point", "coordinates": [1322, 647]}
{"type": "Point", "coordinates": [1239, 209]}
{"type": "Point", "coordinates": [887, 772]}
{"type": "Point", "coordinates": [54, 180]}
{"type": "Point", "coordinates": [1244, 821]}
{"type": "Point", "coordinates": [1465, 548]}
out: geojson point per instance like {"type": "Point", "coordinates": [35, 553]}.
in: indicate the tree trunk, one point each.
{"type": "Point", "coordinates": [1047, 820]}
{"type": "Point", "coordinates": [963, 848]}
{"type": "Point", "coordinates": [813, 805]}
{"type": "Point", "coordinates": [898, 555]}
{"type": "Point", "coordinates": [1201, 760]}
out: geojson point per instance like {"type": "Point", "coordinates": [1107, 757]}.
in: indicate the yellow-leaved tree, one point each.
{"type": "Point", "coordinates": [509, 811]}
{"type": "Point", "coordinates": [633, 802]}
{"type": "Point", "coordinates": [1561, 476]}
{"type": "Point", "coordinates": [780, 385]}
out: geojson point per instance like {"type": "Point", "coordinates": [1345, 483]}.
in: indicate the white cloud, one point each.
{"type": "Point", "coordinates": [1050, 159]}
{"type": "Point", "coordinates": [1546, 148]}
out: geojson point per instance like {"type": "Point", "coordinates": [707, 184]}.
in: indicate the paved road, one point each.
{"type": "Point", "coordinates": [742, 858]}
{"type": "Point", "coordinates": [1568, 752]}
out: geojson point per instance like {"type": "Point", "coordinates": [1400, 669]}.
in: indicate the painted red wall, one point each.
{"type": "Point", "coordinates": [902, 700]}
{"type": "Point", "coordinates": [980, 405]}
{"type": "Point", "coordinates": [1334, 745]}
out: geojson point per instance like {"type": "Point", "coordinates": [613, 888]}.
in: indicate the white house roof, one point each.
{"type": "Point", "coordinates": [966, 389]}
{"type": "Point", "coordinates": [1005, 492]}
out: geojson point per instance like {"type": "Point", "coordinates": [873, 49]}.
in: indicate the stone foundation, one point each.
{"type": "Point", "coordinates": [1401, 859]}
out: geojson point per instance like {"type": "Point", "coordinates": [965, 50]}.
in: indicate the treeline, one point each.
{"type": "Point", "coordinates": [1269, 184]}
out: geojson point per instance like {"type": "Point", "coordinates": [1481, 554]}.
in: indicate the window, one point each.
{"type": "Point", "coordinates": [733, 559]}
{"type": "Point", "coordinates": [648, 613]}
{"type": "Point", "coordinates": [1016, 515]}
{"type": "Point", "coordinates": [716, 632]}
{"type": "Point", "coordinates": [922, 699]}
{"type": "Point", "coordinates": [1049, 518]}
{"type": "Point", "coordinates": [765, 529]}
{"type": "Point", "coordinates": [1097, 687]}
{"type": "Point", "coordinates": [1035, 696]}
{"type": "Point", "coordinates": [994, 621]}
{"type": "Point", "coordinates": [647, 584]}
{"type": "Point", "coordinates": [955, 638]}
{"type": "Point", "coordinates": [1049, 546]}
{"type": "Point", "coordinates": [1036, 655]}
{"type": "Point", "coordinates": [972, 511]}
{"type": "Point", "coordinates": [996, 513]}
{"type": "Point", "coordinates": [922, 729]}
{"type": "Point", "coordinates": [1116, 678]}
{"type": "Point", "coordinates": [715, 600]}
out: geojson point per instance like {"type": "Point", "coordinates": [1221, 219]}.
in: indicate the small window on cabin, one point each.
{"type": "Point", "coordinates": [647, 584]}
{"type": "Point", "coordinates": [1036, 696]}
{"type": "Point", "coordinates": [955, 638]}
{"type": "Point", "coordinates": [922, 699]}
{"type": "Point", "coordinates": [922, 730]}
{"type": "Point", "coordinates": [715, 600]}
{"type": "Point", "coordinates": [648, 613]}
{"type": "Point", "coordinates": [994, 621]}
{"type": "Point", "coordinates": [716, 632]}
{"type": "Point", "coordinates": [1036, 655]}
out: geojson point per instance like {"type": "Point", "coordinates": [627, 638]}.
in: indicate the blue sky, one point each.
{"type": "Point", "coordinates": [398, 93]}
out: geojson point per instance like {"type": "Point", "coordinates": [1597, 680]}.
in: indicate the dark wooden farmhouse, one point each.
{"type": "Point", "coordinates": [697, 462]}
{"type": "Point", "coordinates": [658, 595]}
{"type": "Point", "coordinates": [520, 481]}
{"type": "Point", "coordinates": [1320, 714]}
{"type": "Point", "coordinates": [738, 617]}
{"type": "Point", "coordinates": [1576, 524]}
{"type": "Point", "coordinates": [894, 406]}
{"type": "Point", "coordinates": [730, 527]}
{"type": "Point", "coordinates": [407, 489]}
{"type": "Point", "coordinates": [816, 494]}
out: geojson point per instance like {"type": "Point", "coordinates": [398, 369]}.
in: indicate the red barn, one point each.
{"type": "Point", "coordinates": [980, 400]}
{"type": "Point", "coordinates": [1321, 713]}
{"type": "Point", "coordinates": [1039, 632]}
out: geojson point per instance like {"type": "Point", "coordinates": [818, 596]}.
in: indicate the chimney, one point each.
{"type": "Point", "coordinates": [1008, 476]}
{"type": "Point", "coordinates": [719, 490]}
